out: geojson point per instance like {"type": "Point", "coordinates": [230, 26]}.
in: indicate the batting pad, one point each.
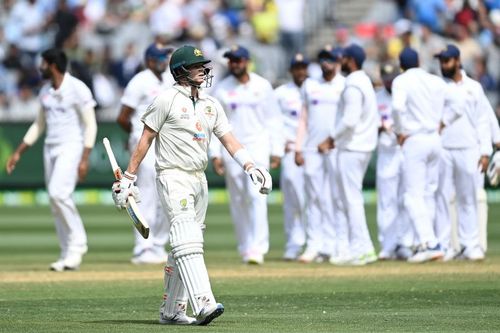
{"type": "Point", "coordinates": [175, 296]}
{"type": "Point", "coordinates": [186, 239]}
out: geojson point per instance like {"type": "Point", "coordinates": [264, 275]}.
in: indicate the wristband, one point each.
{"type": "Point", "coordinates": [242, 157]}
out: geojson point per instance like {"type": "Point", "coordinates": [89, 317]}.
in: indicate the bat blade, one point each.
{"type": "Point", "coordinates": [132, 208]}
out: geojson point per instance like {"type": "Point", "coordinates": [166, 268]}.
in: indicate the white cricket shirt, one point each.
{"type": "Point", "coordinates": [321, 99]}
{"type": "Point", "coordinates": [290, 100]}
{"type": "Point", "coordinates": [62, 109]}
{"type": "Point", "coordinates": [418, 100]}
{"type": "Point", "coordinates": [252, 110]}
{"type": "Point", "coordinates": [473, 128]}
{"type": "Point", "coordinates": [356, 126]}
{"type": "Point", "coordinates": [387, 139]}
{"type": "Point", "coordinates": [184, 128]}
{"type": "Point", "coordinates": [140, 93]}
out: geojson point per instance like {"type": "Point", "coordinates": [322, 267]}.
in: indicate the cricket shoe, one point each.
{"type": "Point", "coordinates": [179, 318]}
{"type": "Point", "coordinates": [57, 266]}
{"type": "Point", "coordinates": [209, 313]}
{"type": "Point", "coordinates": [148, 257]}
{"type": "Point", "coordinates": [72, 261]}
{"type": "Point", "coordinates": [370, 257]}
{"type": "Point", "coordinates": [340, 260]}
{"type": "Point", "coordinates": [254, 259]}
{"type": "Point", "coordinates": [308, 256]}
{"type": "Point", "coordinates": [386, 255]}
{"type": "Point", "coordinates": [474, 254]}
{"type": "Point", "coordinates": [450, 254]}
{"type": "Point", "coordinates": [403, 252]}
{"type": "Point", "coordinates": [425, 254]}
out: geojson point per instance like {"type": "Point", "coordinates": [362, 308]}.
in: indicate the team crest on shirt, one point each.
{"type": "Point", "coordinates": [208, 111]}
{"type": "Point", "coordinates": [183, 203]}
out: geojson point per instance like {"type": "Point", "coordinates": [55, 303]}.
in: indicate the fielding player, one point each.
{"type": "Point", "coordinates": [394, 229]}
{"type": "Point", "coordinates": [68, 114]}
{"type": "Point", "coordinates": [253, 111]}
{"type": "Point", "coordinates": [182, 119]}
{"type": "Point", "coordinates": [321, 99]}
{"type": "Point", "coordinates": [418, 101]}
{"type": "Point", "coordinates": [138, 94]}
{"type": "Point", "coordinates": [290, 101]}
{"type": "Point", "coordinates": [467, 145]}
{"type": "Point", "coordinates": [354, 137]}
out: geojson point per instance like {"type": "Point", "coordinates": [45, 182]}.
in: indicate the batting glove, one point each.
{"type": "Point", "coordinates": [261, 177]}
{"type": "Point", "coordinates": [124, 188]}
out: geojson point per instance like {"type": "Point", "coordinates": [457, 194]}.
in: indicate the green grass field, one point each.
{"type": "Point", "coordinates": [109, 294]}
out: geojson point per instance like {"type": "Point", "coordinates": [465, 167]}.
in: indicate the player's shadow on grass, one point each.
{"type": "Point", "coordinates": [126, 321]}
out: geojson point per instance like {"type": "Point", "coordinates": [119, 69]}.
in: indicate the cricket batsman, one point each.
{"type": "Point", "coordinates": [182, 120]}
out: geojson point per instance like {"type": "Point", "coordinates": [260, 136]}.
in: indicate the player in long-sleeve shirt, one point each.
{"type": "Point", "coordinates": [354, 137]}
{"type": "Point", "coordinates": [419, 100]}
{"type": "Point", "coordinates": [321, 99]}
{"type": "Point", "coordinates": [467, 144]}
{"type": "Point", "coordinates": [252, 109]}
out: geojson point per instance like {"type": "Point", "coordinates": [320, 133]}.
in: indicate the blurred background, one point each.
{"type": "Point", "coordinates": [105, 41]}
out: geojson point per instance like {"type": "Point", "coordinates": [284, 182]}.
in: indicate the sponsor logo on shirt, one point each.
{"type": "Point", "coordinates": [184, 114]}
{"type": "Point", "coordinates": [199, 136]}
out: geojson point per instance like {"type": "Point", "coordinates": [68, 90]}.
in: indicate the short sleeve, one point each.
{"type": "Point", "coordinates": [85, 98]}
{"type": "Point", "coordinates": [157, 113]}
{"type": "Point", "coordinates": [132, 94]}
{"type": "Point", "coordinates": [221, 125]}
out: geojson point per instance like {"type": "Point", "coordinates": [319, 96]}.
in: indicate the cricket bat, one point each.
{"type": "Point", "coordinates": [132, 208]}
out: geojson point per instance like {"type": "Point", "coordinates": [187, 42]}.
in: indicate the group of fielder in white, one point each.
{"type": "Point", "coordinates": [433, 136]}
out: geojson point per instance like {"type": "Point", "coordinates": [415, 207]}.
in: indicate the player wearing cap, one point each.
{"type": "Point", "coordinates": [321, 99]}
{"type": "Point", "coordinates": [67, 112]}
{"type": "Point", "coordinates": [253, 111]}
{"type": "Point", "coordinates": [139, 93]}
{"type": "Point", "coordinates": [290, 100]}
{"type": "Point", "coordinates": [467, 145]}
{"type": "Point", "coordinates": [355, 137]}
{"type": "Point", "coordinates": [418, 101]}
{"type": "Point", "coordinates": [394, 229]}
{"type": "Point", "coordinates": [182, 120]}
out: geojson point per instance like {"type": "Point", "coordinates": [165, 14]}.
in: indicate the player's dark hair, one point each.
{"type": "Point", "coordinates": [56, 56]}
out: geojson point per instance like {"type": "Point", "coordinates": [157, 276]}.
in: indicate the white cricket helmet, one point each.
{"type": "Point", "coordinates": [494, 169]}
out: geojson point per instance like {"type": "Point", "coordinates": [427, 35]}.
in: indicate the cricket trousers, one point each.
{"type": "Point", "coordinates": [292, 187]}
{"type": "Point", "coordinates": [458, 176]}
{"type": "Point", "coordinates": [421, 156]}
{"type": "Point", "coordinates": [248, 206]}
{"type": "Point", "coordinates": [352, 167]}
{"type": "Point", "coordinates": [61, 176]}
{"type": "Point", "coordinates": [320, 230]}
{"type": "Point", "coordinates": [394, 228]}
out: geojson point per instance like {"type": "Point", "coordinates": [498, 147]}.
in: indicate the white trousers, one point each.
{"type": "Point", "coordinates": [61, 175]}
{"type": "Point", "coordinates": [248, 206]}
{"type": "Point", "coordinates": [352, 167]}
{"type": "Point", "coordinates": [150, 205]}
{"type": "Point", "coordinates": [420, 176]}
{"type": "Point", "coordinates": [340, 234]}
{"type": "Point", "coordinates": [458, 177]}
{"type": "Point", "coordinates": [183, 194]}
{"type": "Point", "coordinates": [292, 187]}
{"type": "Point", "coordinates": [394, 228]}
{"type": "Point", "coordinates": [320, 230]}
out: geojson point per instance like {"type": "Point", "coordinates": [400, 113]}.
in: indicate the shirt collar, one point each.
{"type": "Point", "coordinates": [186, 91]}
{"type": "Point", "coordinates": [61, 87]}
